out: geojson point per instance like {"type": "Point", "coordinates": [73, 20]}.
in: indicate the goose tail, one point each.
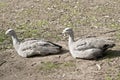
{"type": "Point", "coordinates": [106, 46]}
{"type": "Point", "coordinates": [60, 47]}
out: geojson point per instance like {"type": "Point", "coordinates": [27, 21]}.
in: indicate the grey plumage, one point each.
{"type": "Point", "coordinates": [33, 47]}
{"type": "Point", "coordinates": [88, 48]}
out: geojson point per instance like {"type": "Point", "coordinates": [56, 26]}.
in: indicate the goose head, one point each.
{"type": "Point", "coordinates": [67, 31]}
{"type": "Point", "coordinates": [10, 32]}
{"type": "Point", "coordinates": [15, 40]}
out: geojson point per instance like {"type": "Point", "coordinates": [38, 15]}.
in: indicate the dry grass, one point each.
{"type": "Point", "coordinates": [46, 19]}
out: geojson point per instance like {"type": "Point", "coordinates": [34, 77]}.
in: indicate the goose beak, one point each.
{"type": "Point", "coordinates": [64, 34]}
{"type": "Point", "coordinates": [6, 33]}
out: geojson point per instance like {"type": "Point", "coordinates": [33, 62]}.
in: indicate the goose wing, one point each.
{"type": "Point", "coordinates": [38, 45]}
{"type": "Point", "coordinates": [90, 43]}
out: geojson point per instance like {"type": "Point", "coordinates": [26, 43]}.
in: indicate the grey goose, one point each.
{"type": "Point", "coordinates": [32, 47]}
{"type": "Point", "coordinates": [87, 48]}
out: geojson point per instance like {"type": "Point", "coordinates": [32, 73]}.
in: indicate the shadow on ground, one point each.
{"type": "Point", "coordinates": [111, 54]}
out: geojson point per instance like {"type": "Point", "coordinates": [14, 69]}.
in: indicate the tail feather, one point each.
{"type": "Point", "coordinates": [106, 46]}
{"type": "Point", "coordinates": [55, 44]}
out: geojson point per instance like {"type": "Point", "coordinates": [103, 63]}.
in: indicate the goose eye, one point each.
{"type": "Point", "coordinates": [67, 30]}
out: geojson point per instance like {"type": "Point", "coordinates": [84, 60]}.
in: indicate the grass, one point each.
{"type": "Point", "coordinates": [2, 4]}
{"type": "Point", "coordinates": [46, 19]}
{"type": "Point", "coordinates": [118, 35]}
{"type": "Point", "coordinates": [38, 29]}
{"type": "Point", "coordinates": [32, 29]}
{"type": "Point", "coordinates": [2, 37]}
{"type": "Point", "coordinates": [51, 66]}
{"type": "Point", "coordinates": [108, 78]}
{"type": "Point", "coordinates": [42, 23]}
{"type": "Point", "coordinates": [118, 76]}
{"type": "Point", "coordinates": [4, 41]}
{"type": "Point", "coordinates": [68, 64]}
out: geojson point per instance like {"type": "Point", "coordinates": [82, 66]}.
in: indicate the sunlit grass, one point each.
{"type": "Point", "coordinates": [48, 66]}
{"type": "Point", "coordinates": [2, 4]}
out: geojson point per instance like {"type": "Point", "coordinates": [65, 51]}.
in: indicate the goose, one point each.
{"type": "Point", "coordinates": [87, 48]}
{"type": "Point", "coordinates": [33, 47]}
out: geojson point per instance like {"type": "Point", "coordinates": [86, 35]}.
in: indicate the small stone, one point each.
{"type": "Point", "coordinates": [98, 66]}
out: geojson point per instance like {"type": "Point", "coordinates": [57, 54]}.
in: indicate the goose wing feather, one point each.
{"type": "Point", "coordinates": [90, 43]}
{"type": "Point", "coordinates": [38, 46]}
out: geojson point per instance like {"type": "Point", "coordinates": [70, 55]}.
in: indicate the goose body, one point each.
{"type": "Point", "coordinates": [33, 47]}
{"type": "Point", "coordinates": [88, 48]}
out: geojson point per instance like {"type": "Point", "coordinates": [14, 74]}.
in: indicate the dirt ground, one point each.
{"type": "Point", "coordinates": [46, 19]}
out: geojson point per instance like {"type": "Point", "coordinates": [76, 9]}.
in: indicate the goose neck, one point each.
{"type": "Point", "coordinates": [15, 41]}
{"type": "Point", "coordinates": [71, 38]}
